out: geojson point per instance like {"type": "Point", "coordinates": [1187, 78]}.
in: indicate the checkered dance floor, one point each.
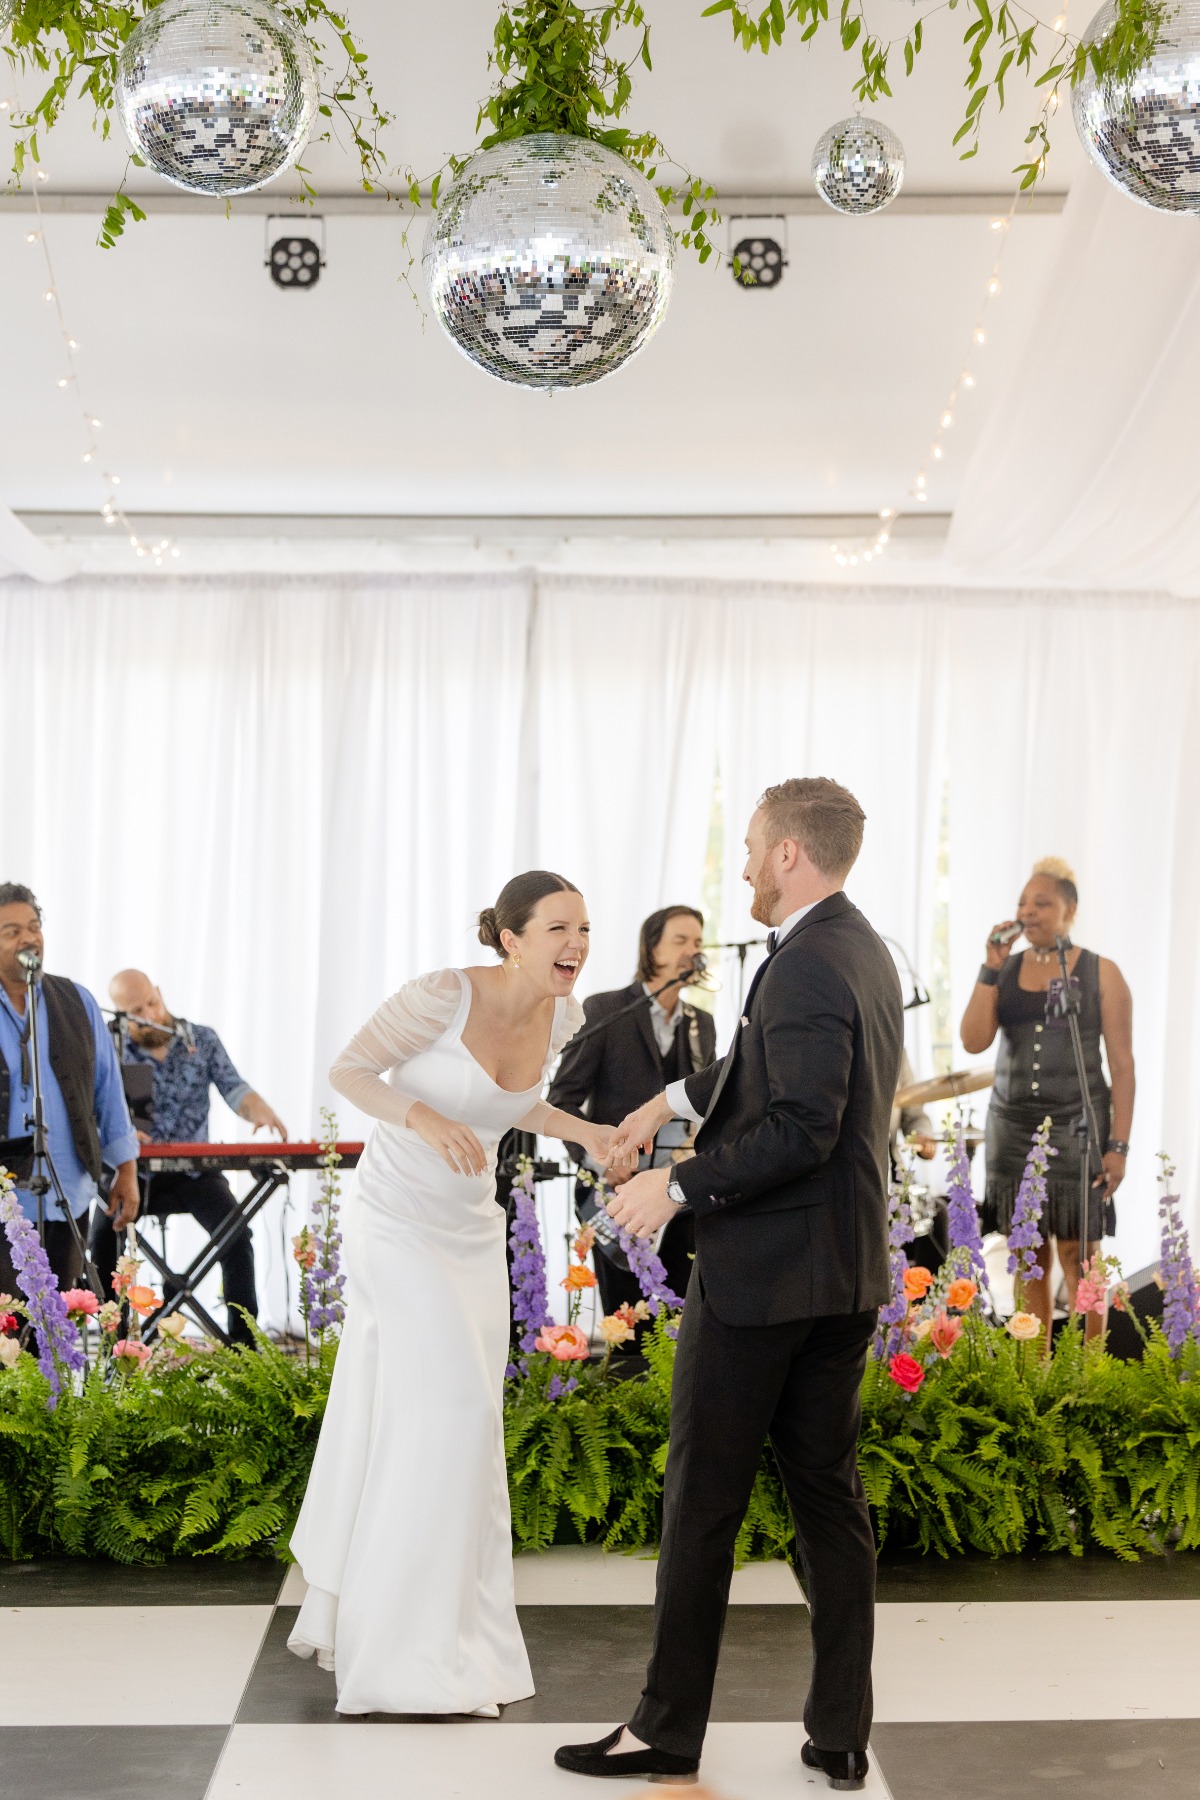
{"type": "Point", "coordinates": [993, 1681]}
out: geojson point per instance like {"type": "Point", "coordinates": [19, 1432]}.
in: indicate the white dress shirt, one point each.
{"type": "Point", "coordinates": [677, 1098]}
{"type": "Point", "coordinates": [662, 1022]}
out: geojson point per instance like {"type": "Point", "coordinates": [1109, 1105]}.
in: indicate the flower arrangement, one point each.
{"type": "Point", "coordinates": [317, 1246]}
{"type": "Point", "coordinates": [1181, 1292]}
{"type": "Point", "coordinates": [963, 1214]}
{"type": "Point", "coordinates": [59, 1350]}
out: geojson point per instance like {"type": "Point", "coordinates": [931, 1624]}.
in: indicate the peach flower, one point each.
{"type": "Point", "coordinates": [577, 1277]}
{"type": "Point", "coordinates": [584, 1239]}
{"type": "Point", "coordinates": [10, 1350]}
{"type": "Point", "coordinates": [917, 1283]}
{"type": "Point", "coordinates": [1023, 1326]}
{"type": "Point", "coordinates": [173, 1326]}
{"type": "Point", "coordinates": [923, 1329]}
{"type": "Point", "coordinates": [944, 1333]}
{"type": "Point", "coordinates": [633, 1315]}
{"type": "Point", "coordinates": [128, 1350]}
{"type": "Point", "coordinates": [304, 1249]}
{"type": "Point", "coordinates": [616, 1330]}
{"type": "Point", "coordinates": [565, 1343]}
{"type": "Point", "coordinates": [81, 1303]}
{"type": "Point", "coordinates": [109, 1317]}
{"type": "Point", "coordinates": [143, 1300]}
{"type": "Point", "coordinates": [960, 1293]}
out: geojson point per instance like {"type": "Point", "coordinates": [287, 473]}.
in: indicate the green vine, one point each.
{"type": "Point", "coordinates": [996, 42]}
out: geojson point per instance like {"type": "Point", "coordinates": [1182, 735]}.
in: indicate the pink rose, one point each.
{"type": "Point", "coordinates": [565, 1343]}
{"type": "Point", "coordinates": [944, 1333]}
{"type": "Point", "coordinates": [81, 1303]}
{"type": "Point", "coordinates": [129, 1350]}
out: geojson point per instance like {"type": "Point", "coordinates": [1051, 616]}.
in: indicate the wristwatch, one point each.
{"type": "Point", "coordinates": [675, 1192]}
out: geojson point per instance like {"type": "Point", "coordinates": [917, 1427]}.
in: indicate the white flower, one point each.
{"type": "Point", "coordinates": [10, 1349]}
{"type": "Point", "coordinates": [1023, 1325]}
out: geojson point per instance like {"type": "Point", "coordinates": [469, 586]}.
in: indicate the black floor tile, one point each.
{"type": "Point", "coordinates": [1093, 1577]}
{"type": "Point", "coordinates": [1104, 1759]}
{"type": "Point", "coordinates": [108, 1762]}
{"type": "Point", "coordinates": [589, 1664]}
{"type": "Point", "coordinates": [187, 1581]}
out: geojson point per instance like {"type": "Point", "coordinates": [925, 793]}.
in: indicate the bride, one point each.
{"type": "Point", "coordinates": [404, 1535]}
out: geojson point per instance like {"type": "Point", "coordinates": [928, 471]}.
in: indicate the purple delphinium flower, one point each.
{"type": "Point", "coordinates": [324, 1284]}
{"type": "Point", "coordinates": [558, 1387]}
{"type": "Point", "coordinates": [1025, 1236]}
{"type": "Point", "coordinates": [530, 1301]}
{"type": "Point", "coordinates": [59, 1346]}
{"type": "Point", "coordinates": [1178, 1273]}
{"type": "Point", "coordinates": [963, 1218]}
{"type": "Point", "coordinates": [889, 1333]}
{"type": "Point", "coordinates": [651, 1272]}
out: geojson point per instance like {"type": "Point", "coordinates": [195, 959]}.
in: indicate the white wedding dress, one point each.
{"type": "Point", "coordinates": [404, 1535]}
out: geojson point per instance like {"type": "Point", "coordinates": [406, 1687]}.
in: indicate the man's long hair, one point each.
{"type": "Point", "coordinates": [651, 936]}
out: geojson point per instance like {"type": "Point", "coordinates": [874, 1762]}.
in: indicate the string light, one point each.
{"type": "Point", "coordinates": [110, 511]}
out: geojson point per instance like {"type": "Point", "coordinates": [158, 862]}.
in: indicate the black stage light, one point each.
{"type": "Point", "coordinates": [295, 258]}
{"type": "Point", "coordinates": [758, 250]}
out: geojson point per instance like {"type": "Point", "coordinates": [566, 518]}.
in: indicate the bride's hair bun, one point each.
{"type": "Point", "coordinates": [516, 903]}
{"type": "Point", "coordinates": [1061, 872]}
{"type": "Point", "coordinates": [489, 931]}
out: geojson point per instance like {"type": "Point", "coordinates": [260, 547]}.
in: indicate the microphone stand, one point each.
{"type": "Point", "coordinates": [920, 995]}
{"type": "Point", "coordinates": [1086, 1129]}
{"type": "Point", "coordinates": [44, 1175]}
{"type": "Point", "coordinates": [685, 980]}
{"type": "Point", "coordinates": [741, 945]}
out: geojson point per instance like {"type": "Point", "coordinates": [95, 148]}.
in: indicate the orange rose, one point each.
{"type": "Point", "coordinates": [960, 1293]}
{"type": "Point", "coordinates": [577, 1277]}
{"type": "Point", "coordinates": [917, 1283]}
{"type": "Point", "coordinates": [143, 1300]}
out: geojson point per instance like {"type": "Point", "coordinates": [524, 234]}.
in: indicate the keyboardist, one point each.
{"type": "Point", "coordinates": [187, 1061]}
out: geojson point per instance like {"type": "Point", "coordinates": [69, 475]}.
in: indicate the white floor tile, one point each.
{"type": "Point", "coordinates": [1128, 1659]}
{"type": "Point", "coordinates": [503, 1762]}
{"type": "Point", "coordinates": [570, 1575]}
{"type": "Point", "coordinates": [126, 1665]}
{"type": "Point", "coordinates": [582, 1575]}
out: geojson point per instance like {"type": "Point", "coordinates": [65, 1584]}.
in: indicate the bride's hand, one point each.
{"type": "Point", "coordinates": [596, 1139]}
{"type": "Point", "coordinates": [455, 1143]}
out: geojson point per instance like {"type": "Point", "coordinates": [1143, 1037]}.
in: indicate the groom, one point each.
{"type": "Point", "coordinates": [788, 1189]}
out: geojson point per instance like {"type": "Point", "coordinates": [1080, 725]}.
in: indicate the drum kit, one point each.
{"type": "Point", "coordinates": [952, 1086]}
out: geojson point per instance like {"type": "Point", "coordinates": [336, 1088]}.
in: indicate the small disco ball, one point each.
{"type": "Point", "coordinates": [858, 165]}
{"type": "Point", "coordinates": [549, 261]}
{"type": "Point", "coordinates": [217, 95]}
{"type": "Point", "coordinates": [1145, 136]}
{"type": "Point", "coordinates": [294, 262]}
{"type": "Point", "coordinates": [760, 257]}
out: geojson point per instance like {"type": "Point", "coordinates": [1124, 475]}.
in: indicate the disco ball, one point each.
{"type": "Point", "coordinates": [858, 165]}
{"type": "Point", "coordinates": [217, 95]}
{"type": "Point", "coordinates": [1145, 135]}
{"type": "Point", "coordinates": [549, 261]}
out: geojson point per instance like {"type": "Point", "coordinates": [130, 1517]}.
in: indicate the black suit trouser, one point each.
{"type": "Point", "coordinates": [797, 1384]}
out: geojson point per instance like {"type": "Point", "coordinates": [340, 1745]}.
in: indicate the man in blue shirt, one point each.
{"type": "Point", "coordinates": [87, 1120]}
{"type": "Point", "coordinates": [187, 1060]}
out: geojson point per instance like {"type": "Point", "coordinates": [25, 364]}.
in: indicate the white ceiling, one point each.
{"type": "Point", "coordinates": [222, 394]}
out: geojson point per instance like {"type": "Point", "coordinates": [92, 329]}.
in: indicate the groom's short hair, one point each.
{"type": "Point", "coordinates": [822, 816]}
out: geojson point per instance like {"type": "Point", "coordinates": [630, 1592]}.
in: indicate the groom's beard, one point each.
{"type": "Point", "coordinates": [766, 899]}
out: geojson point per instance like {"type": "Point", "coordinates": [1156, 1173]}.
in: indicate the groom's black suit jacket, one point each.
{"type": "Point", "coordinates": [789, 1181]}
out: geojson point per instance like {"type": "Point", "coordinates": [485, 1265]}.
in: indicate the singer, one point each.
{"type": "Point", "coordinates": [614, 1071]}
{"type": "Point", "coordinates": [187, 1060]}
{"type": "Point", "coordinates": [1035, 1073]}
{"type": "Point", "coordinates": [87, 1120]}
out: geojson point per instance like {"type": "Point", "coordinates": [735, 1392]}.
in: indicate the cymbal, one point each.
{"type": "Point", "coordinates": [945, 1087]}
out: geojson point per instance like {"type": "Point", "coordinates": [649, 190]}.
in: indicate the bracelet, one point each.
{"type": "Point", "coordinates": [988, 977]}
{"type": "Point", "coordinates": [1116, 1147]}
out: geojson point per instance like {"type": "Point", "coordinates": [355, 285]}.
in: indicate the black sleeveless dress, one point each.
{"type": "Point", "coordinates": [1035, 1075]}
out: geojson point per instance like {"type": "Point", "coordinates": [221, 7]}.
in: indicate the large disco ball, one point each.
{"type": "Point", "coordinates": [858, 165]}
{"type": "Point", "coordinates": [549, 261]}
{"type": "Point", "coordinates": [217, 95]}
{"type": "Point", "coordinates": [1145, 135]}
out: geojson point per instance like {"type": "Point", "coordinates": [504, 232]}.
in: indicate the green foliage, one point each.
{"type": "Point", "coordinates": [996, 43]}
{"type": "Point", "coordinates": [998, 1452]}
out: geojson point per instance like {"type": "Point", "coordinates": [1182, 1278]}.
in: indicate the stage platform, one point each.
{"type": "Point", "coordinates": [993, 1680]}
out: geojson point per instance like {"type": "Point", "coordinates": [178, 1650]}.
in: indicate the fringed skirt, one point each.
{"type": "Point", "coordinates": [1010, 1132]}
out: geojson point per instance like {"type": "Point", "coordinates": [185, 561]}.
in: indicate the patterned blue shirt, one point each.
{"type": "Point", "coordinates": [181, 1083]}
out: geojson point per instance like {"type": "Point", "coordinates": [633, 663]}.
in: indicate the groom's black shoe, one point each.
{"type": "Point", "coordinates": [844, 1769]}
{"type": "Point", "coordinates": [655, 1765]}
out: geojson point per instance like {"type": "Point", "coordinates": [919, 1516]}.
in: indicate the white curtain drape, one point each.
{"type": "Point", "coordinates": [1086, 471]}
{"type": "Point", "coordinates": [283, 799]}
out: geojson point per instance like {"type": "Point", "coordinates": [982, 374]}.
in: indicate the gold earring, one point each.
{"type": "Point", "coordinates": [516, 962]}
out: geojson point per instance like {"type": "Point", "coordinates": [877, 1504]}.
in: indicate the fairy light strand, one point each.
{"type": "Point", "coordinates": [111, 511]}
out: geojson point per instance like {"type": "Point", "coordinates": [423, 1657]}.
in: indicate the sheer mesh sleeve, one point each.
{"type": "Point", "coordinates": [567, 1020]}
{"type": "Point", "coordinates": [412, 1020]}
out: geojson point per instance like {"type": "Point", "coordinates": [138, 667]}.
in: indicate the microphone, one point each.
{"type": "Point", "coordinates": [31, 962]}
{"type": "Point", "coordinates": [183, 1030]}
{"type": "Point", "coordinates": [699, 963]}
{"type": "Point", "coordinates": [1007, 936]}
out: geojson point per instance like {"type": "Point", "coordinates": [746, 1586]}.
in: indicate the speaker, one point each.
{"type": "Point", "coordinates": [1146, 1300]}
